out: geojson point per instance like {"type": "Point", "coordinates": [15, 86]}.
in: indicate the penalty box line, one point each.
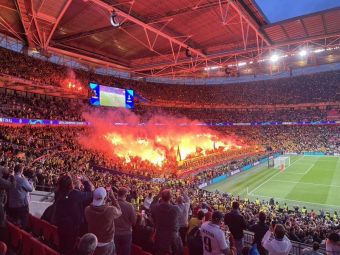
{"type": "Point", "coordinates": [273, 176]}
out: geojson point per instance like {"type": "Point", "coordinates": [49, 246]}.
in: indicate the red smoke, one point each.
{"type": "Point", "coordinates": [155, 145]}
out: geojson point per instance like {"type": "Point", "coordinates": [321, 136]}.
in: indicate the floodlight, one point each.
{"type": "Point", "coordinates": [274, 58]}
{"type": "Point", "coordinates": [303, 53]}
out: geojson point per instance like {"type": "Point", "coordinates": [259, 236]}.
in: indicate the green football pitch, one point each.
{"type": "Point", "coordinates": [311, 181]}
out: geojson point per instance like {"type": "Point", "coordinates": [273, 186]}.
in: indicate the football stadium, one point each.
{"type": "Point", "coordinates": [148, 127]}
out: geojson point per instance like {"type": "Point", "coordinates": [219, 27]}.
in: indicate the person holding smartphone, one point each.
{"type": "Point", "coordinates": [275, 240]}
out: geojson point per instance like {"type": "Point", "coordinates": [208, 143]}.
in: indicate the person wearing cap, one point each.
{"type": "Point", "coordinates": [100, 219]}
{"type": "Point", "coordinates": [276, 242]}
{"type": "Point", "coordinates": [213, 238]}
{"type": "Point", "coordinates": [124, 223]}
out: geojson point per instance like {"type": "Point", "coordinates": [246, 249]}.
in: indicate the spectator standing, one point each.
{"type": "Point", "coordinates": [213, 238]}
{"type": "Point", "coordinates": [276, 242]}
{"type": "Point", "coordinates": [166, 220]}
{"type": "Point", "coordinates": [5, 185]}
{"type": "Point", "coordinates": [100, 219]}
{"type": "Point", "coordinates": [196, 221]}
{"type": "Point", "coordinates": [147, 202]}
{"type": "Point", "coordinates": [260, 229]}
{"type": "Point", "coordinates": [18, 197]}
{"type": "Point", "coordinates": [124, 223]}
{"type": "Point", "coordinates": [69, 211]}
{"type": "Point", "coordinates": [183, 203]}
{"type": "Point", "coordinates": [333, 244]}
{"type": "Point", "coordinates": [236, 223]}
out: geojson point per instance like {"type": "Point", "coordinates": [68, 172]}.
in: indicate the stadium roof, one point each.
{"type": "Point", "coordinates": [162, 38]}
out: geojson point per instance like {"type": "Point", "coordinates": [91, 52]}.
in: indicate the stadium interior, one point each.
{"type": "Point", "coordinates": [168, 128]}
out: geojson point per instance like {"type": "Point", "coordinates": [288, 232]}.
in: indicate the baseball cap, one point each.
{"type": "Point", "coordinates": [99, 195]}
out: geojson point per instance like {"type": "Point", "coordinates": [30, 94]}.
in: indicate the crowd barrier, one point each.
{"type": "Point", "coordinates": [242, 169]}
{"type": "Point", "coordinates": [19, 121]}
{"type": "Point", "coordinates": [297, 248]}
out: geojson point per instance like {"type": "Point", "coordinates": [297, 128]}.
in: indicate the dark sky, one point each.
{"type": "Point", "coordinates": [277, 10]}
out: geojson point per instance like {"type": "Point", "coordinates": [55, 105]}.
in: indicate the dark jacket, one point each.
{"type": "Point", "coordinates": [259, 229]}
{"type": "Point", "coordinates": [236, 223]}
{"type": "Point", "coordinates": [4, 185]}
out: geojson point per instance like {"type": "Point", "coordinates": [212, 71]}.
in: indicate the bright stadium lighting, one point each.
{"type": "Point", "coordinates": [209, 68]}
{"type": "Point", "coordinates": [303, 53]}
{"type": "Point", "coordinates": [319, 50]}
{"type": "Point", "coordinates": [242, 63]}
{"type": "Point", "coordinates": [274, 58]}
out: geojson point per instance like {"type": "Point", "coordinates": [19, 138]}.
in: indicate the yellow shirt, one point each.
{"type": "Point", "coordinates": [194, 222]}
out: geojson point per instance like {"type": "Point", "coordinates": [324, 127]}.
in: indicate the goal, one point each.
{"type": "Point", "coordinates": [281, 162]}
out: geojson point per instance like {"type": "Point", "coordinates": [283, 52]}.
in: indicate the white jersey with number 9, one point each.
{"type": "Point", "coordinates": [213, 239]}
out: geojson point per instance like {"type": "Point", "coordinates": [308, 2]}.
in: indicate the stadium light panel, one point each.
{"type": "Point", "coordinates": [303, 53]}
{"type": "Point", "coordinates": [208, 68]}
{"type": "Point", "coordinates": [242, 63]}
{"type": "Point", "coordinates": [274, 58]}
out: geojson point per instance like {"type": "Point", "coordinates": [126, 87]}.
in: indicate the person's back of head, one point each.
{"type": "Point", "coordinates": [316, 246]}
{"type": "Point", "coordinates": [200, 215]}
{"type": "Point", "coordinates": [279, 231]}
{"type": "Point", "coordinates": [87, 244]}
{"type": "Point", "coordinates": [179, 200]}
{"type": "Point", "coordinates": [334, 237]}
{"type": "Point", "coordinates": [122, 193]}
{"type": "Point", "coordinates": [65, 184]}
{"type": "Point", "coordinates": [18, 169]}
{"type": "Point", "coordinates": [262, 217]}
{"type": "Point", "coordinates": [235, 205]}
{"type": "Point", "coordinates": [166, 195]}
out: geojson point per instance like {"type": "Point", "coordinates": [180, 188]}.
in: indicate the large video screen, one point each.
{"type": "Point", "coordinates": [110, 96]}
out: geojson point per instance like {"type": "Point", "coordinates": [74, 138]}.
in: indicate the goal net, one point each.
{"type": "Point", "coordinates": [281, 162]}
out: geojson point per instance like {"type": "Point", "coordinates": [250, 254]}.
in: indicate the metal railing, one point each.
{"type": "Point", "coordinates": [296, 249]}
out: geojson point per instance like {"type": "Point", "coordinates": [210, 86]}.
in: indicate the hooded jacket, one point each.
{"type": "Point", "coordinates": [100, 220]}
{"type": "Point", "coordinates": [275, 246]}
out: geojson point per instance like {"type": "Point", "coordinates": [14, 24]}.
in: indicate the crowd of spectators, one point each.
{"type": "Point", "coordinates": [35, 106]}
{"type": "Point", "coordinates": [313, 88]}
{"type": "Point", "coordinates": [48, 153]}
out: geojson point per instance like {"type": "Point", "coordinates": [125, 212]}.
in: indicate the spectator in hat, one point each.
{"type": "Point", "coordinates": [213, 238]}
{"type": "Point", "coordinates": [124, 223]}
{"type": "Point", "coordinates": [276, 242]}
{"type": "Point", "coordinates": [100, 217]}
{"type": "Point", "coordinates": [236, 223]}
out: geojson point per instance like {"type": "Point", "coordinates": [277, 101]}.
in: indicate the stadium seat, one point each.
{"type": "Point", "coordinates": [145, 253]}
{"type": "Point", "coordinates": [15, 235]}
{"type": "Point", "coordinates": [49, 251]}
{"type": "Point", "coordinates": [3, 248]}
{"type": "Point", "coordinates": [136, 250]}
{"type": "Point", "coordinates": [186, 251]}
{"type": "Point", "coordinates": [35, 225]}
{"type": "Point", "coordinates": [50, 233]}
{"type": "Point", "coordinates": [38, 248]}
{"type": "Point", "coordinates": [27, 246]}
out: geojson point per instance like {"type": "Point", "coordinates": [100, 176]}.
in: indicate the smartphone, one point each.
{"type": "Point", "coordinates": [143, 212]}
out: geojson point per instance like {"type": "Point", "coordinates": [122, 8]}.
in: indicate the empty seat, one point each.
{"type": "Point", "coordinates": [15, 235]}
{"type": "Point", "coordinates": [49, 251]}
{"type": "Point", "coordinates": [50, 233]}
{"type": "Point", "coordinates": [27, 246]}
{"type": "Point", "coordinates": [36, 225]}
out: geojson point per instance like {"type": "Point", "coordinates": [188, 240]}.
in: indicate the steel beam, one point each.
{"type": "Point", "coordinates": [236, 52]}
{"type": "Point", "coordinates": [147, 26]}
{"type": "Point", "coordinates": [61, 14]}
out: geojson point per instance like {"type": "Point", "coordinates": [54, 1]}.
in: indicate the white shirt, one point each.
{"type": "Point", "coordinates": [274, 246]}
{"type": "Point", "coordinates": [213, 239]}
{"type": "Point", "coordinates": [147, 202]}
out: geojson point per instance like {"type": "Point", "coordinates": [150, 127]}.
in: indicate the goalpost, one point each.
{"type": "Point", "coordinates": [281, 162]}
